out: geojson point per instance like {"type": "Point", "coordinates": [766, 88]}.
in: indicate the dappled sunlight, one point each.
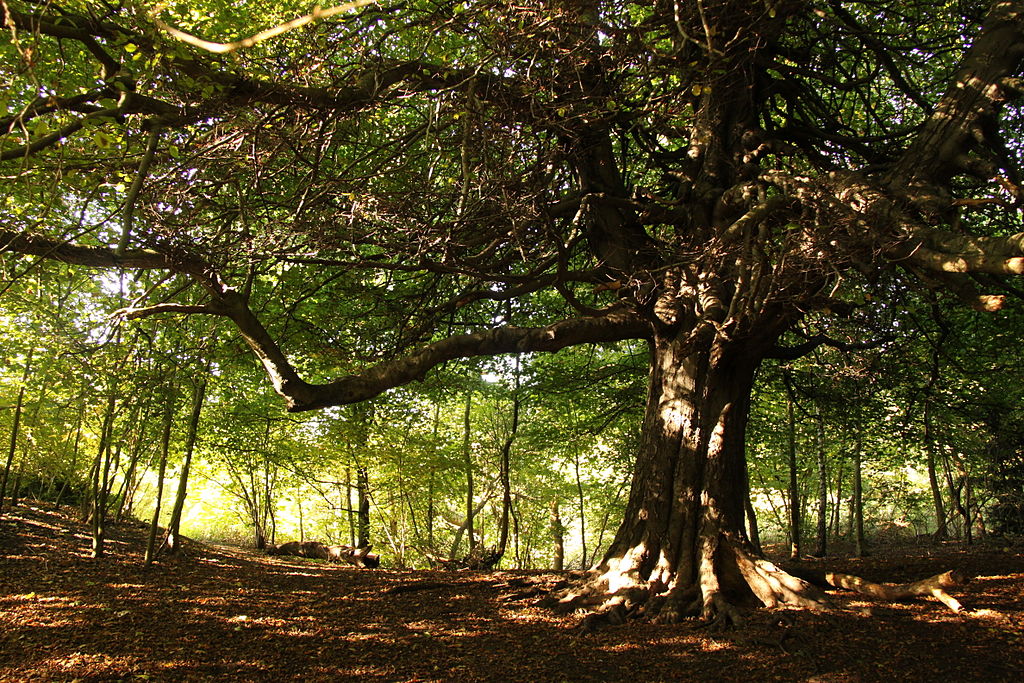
{"type": "Point", "coordinates": [622, 572]}
{"type": "Point", "coordinates": [257, 619]}
{"type": "Point", "coordinates": [75, 663]}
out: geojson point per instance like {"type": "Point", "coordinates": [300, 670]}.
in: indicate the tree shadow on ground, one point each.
{"type": "Point", "coordinates": [222, 612]}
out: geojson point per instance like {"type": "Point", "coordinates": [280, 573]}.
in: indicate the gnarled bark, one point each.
{"type": "Point", "coordinates": [682, 549]}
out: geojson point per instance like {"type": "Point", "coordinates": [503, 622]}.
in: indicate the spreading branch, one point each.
{"type": "Point", "coordinates": [98, 257]}
{"type": "Point", "coordinates": [301, 395]}
{"type": "Point", "coordinates": [223, 48]}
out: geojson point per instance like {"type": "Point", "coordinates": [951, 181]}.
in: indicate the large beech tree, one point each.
{"type": "Point", "coordinates": [371, 194]}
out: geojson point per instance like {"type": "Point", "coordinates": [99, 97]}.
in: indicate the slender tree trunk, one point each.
{"type": "Point", "coordinates": [516, 529]}
{"type": "Point", "coordinates": [749, 513]}
{"type": "Point", "coordinates": [933, 478]}
{"type": "Point", "coordinates": [70, 472]}
{"type": "Point", "coordinates": [33, 423]}
{"type": "Point", "coordinates": [15, 426]}
{"type": "Point", "coordinates": [430, 508]}
{"type": "Point", "coordinates": [581, 507]}
{"type": "Point", "coordinates": [558, 536]}
{"type": "Point", "coordinates": [172, 538]}
{"type": "Point", "coordinates": [968, 502]}
{"type": "Point", "coordinates": [87, 503]}
{"type": "Point", "coordinates": [794, 486]}
{"type": "Point", "coordinates": [858, 495]}
{"type": "Point", "coordinates": [457, 541]}
{"type": "Point", "coordinates": [349, 509]}
{"type": "Point", "coordinates": [16, 487]}
{"type": "Point", "coordinates": [607, 515]}
{"type": "Point", "coordinates": [955, 495]}
{"type": "Point", "coordinates": [752, 531]}
{"type": "Point", "coordinates": [822, 547]}
{"type": "Point", "coordinates": [126, 493]}
{"type": "Point", "coordinates": [504, 473]}
{"type": "Point", "coordinates": [836, 515]}
{"type": "Point", "coordinates": [101, 473]}
{"type": "Point", "coordinates": [962, 501]}
{"type": "Point", "coordinates": [467, 460]}
{"type": "Point", "coordinates": [165, 448]}
{"type": "Point", "coordinates": [363, 515]}
{"type": "Point", "coordinates": [433, 473]}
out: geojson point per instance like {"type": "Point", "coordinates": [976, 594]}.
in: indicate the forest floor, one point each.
{"type": "Point", "coordinates": [233, 614]}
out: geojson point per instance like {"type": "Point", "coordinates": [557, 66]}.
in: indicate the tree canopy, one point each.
{"type": "Point", "coordinates": [378, 189]}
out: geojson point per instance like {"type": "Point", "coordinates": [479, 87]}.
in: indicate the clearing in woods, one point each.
{"type": "Point", "coordinates": [221, 612]}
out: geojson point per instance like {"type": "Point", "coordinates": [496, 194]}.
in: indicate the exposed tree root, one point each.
{"type": "Point", "coordinates": [721, 605]}
{"type": "Point", "coordinates": [714, 603]}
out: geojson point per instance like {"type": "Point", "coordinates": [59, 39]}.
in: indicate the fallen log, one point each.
{"type": "Point", "coordinates": [359, 557]}
{"type": "Point", "coordinates": [934, 586]}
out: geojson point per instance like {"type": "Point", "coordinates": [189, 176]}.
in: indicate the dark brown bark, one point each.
{"type": "Point", "coordinates": [363, 511]}
{"type": "Point", "coordinates": [683, 539]}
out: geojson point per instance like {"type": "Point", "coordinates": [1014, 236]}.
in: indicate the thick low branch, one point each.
{"type": "Point", "coordinates": [971, 105]}
{"type": "Point", "coordinates": [97, 257]}
{"type": "Point", "coordinates": [950, 252]}
{"type": "Point", "coordinates": [387, 375]}
{"type": "Point", "coordinates": [301, 395]}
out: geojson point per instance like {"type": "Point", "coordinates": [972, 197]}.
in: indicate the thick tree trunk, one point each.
{"type": "Point", "coordinates": [682, 549]}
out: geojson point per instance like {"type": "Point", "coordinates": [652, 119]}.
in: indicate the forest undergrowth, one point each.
{"type": "Point", "coordinates": [234, 614]}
